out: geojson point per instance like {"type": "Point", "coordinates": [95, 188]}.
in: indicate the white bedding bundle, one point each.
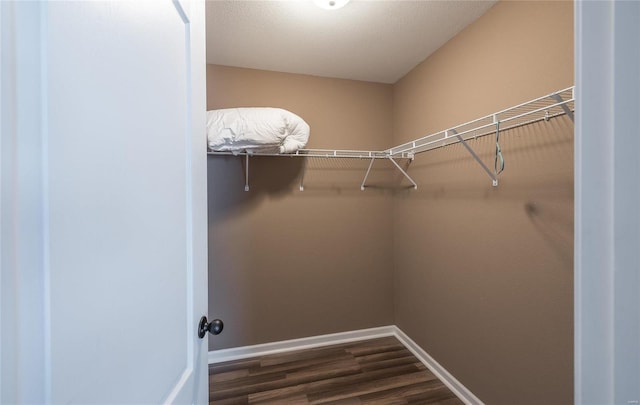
{"type": "Point", "coordinates": [259, 129]}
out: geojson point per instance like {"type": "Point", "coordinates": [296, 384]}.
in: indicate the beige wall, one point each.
{"type": "Point", "coordinates": [484, 276]}
{"type": "Point", "coordinates": [286, 264]}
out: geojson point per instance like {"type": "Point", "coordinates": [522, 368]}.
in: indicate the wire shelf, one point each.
{"type": "Point", "coordinates": [315, 153]}
{"type": "Point", "coordinates": [542, 108]}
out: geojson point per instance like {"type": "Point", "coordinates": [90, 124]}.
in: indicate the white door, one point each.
{"type": "Point", "coordinates": [122, 195]}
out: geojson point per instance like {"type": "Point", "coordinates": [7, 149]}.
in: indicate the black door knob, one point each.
{"type": "Point", "coordinates": [214, 327]}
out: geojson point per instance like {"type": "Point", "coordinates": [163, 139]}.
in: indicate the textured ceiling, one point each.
{"type": "Point", "coordinates": [378, 41]}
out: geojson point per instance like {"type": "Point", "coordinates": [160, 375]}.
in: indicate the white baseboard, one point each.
{"type": "Point", "coordinates": [237, 353]}
{"type": "Point", "coordinates": [450, 381]}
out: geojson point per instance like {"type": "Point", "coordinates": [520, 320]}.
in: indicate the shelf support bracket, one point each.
{"type": "Point", "coordinates": [304, 171]}
{"type": "Point", "coordinates": [566, 109]}
{"type": "Point", "coordinates": [494, 179]}
{"type": "Point", "coordinates": [415, 186]}
{"type": "Point", "coordinates": [366, 176]}
{"type": "Point", "coordinates": [246, 172]}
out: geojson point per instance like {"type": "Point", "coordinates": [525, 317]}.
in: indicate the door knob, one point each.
{"type": "Point", "coordinates": [214, 327]}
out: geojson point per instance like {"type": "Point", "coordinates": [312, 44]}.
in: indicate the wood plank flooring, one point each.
{"type": "Point", "coordinates": [377, 371]}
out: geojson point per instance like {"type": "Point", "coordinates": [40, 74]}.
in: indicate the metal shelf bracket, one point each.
{"type": "Point", "coordinates": [366, 175]}
{"type": "Point", "coordinates": [246, 172]}
{"type": "Point", "coordinates": [304, 172]}
{"type": "Point", "coordinates": [415, 186]}
{"type": "Point", "coordinates": [558, 98]}
{"type": "Point", "coordinates": [494, 178]}
{"type": "Point", "coordinates": [404, 173]}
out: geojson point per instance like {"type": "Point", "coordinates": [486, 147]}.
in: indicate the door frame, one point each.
{"type": "Point", "coordinates": [607, 197]}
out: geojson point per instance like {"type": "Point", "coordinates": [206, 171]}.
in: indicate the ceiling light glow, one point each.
{"type": "Point", "coordinates": [330, 4]}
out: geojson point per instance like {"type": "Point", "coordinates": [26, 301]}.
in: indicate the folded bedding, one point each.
{"type": "Point", "coordinates": [257, 129]}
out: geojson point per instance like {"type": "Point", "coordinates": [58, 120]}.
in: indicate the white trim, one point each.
{"type": "Point", "coordinates": [449, 380]}
{"type": "Point", "coordinates": [238, 353]}
{"type": "Point", "coordinates": [607, 226]}
{"type": "Point", "coordinates": [22, 361]}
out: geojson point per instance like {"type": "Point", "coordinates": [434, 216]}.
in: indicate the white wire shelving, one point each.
{"type": "Point", "coordinates": [552, 105]}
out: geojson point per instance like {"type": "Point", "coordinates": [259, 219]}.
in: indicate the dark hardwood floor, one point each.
{"type": "Point", "coordinates": [378, 371]}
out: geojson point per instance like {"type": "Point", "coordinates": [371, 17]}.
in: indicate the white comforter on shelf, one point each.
{"type": "Point", "coordinates": [259, 129]}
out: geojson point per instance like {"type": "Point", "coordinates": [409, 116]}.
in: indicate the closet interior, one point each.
{"type": "Point", "coordinates": [460, 235]}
